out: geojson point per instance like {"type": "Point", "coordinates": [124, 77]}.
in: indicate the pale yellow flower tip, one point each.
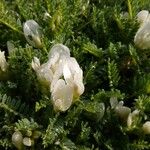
{"type": "Point", "coordinates": [146, 127]}
{"type": "Point", "coordinates": [32, 33]}
{"type": "Point", "coordinates": [3, 62]}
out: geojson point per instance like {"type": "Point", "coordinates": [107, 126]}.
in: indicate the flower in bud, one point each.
{"type": "Point", "coordinates": [142, 37]}
{"type": "Point", "coordinates": [27, 141]}
{"type": "Point", "coordinates": [123, 112]}
{"type": "Point", "coordinates": [132, 118]}
{"type": "Point", "coordinates": [146, 127]}
{"type": "Point", "coordinates": [32, 33]}
{"type": "Point", "coordinates": [3, 62]}
{"type": "Point", "coordinates": [142, 16]}
{"type": "Point", "coordinates": [120, 110]}
{"type": "Point", "coordinates": [17, 140]}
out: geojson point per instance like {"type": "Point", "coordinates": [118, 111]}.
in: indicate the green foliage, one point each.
{"type": "Point", "coordinates": [14, 106]}
{"type": "Point", "coordinates": [100, 35]}
{"type": "Point", "coordinates": [143, 104]}
{"type": "Point", "coordinates": [113, 74]}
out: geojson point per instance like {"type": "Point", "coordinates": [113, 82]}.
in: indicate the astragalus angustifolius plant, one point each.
{"type": "Point", "coordinates": [75, 75]}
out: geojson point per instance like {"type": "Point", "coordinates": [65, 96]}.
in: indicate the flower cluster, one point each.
{"type": "Point", "coordinates": [142, 37]}
{"type": "Point", "coordinates": [62, 74]}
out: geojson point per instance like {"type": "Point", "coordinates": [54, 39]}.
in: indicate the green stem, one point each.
{"type": "Point", "coordinates": [130, 9]}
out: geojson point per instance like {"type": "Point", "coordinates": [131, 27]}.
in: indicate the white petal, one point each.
{"type": "Point", "coordinates": [35, 63]}
{"type": "Point", "coordinates": [59, 49]}
{"type": "Point", "coordinates": [45, 73]}
{"type": "Point", "coordinates": [73, 65]}
{"type": "Point", "coordinates": [56, 76]}
{"type": "Point", "coordinates": [3, 62]}
{"type": "Point", "coordinates": [67, 74]}
{"type": "Point", "coordinates": [142, 37]}
{"type": "Point", "coordinates": [73, 75]}
{"type": "Point", "coordinates": [142, 16]}
{"type": "Point", "coordinates": [62, 96]}
{"type": "Point", "coordinates": [78, 88]}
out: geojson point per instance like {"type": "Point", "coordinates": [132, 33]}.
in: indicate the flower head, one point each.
{"type": "Point", "coordinates": [32, 33]}
{"type": "Point", "coordinates": [67, 70]}
{"type": "Point", "coordinates": [63, 75]}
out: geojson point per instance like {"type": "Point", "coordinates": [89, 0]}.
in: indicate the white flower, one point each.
{"type": "Point", "coordinates": [146, 127]}
{"type": "Point", "coordinates": [3, 62]}
{"type": "Point", "coordinates": [132, 118]}
{"type": "Point", "coordinates": [43, 71]}
{"type": "Point", "coordinates": [67, 77]}
{"type": "Point", "coordinates": [142, 37]}
{"type": "Point", "coordinates": [120, 110]}
{"type": "Point", "coordinates": [32, 33]}
{"type": "Point", "coordinates": [63, 75]}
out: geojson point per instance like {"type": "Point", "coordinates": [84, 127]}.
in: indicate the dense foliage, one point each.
{"type": "Point", "coordinates": [100, 35]}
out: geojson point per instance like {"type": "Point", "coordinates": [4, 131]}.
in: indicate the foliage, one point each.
{"type": "Point", "coordinates": [100, 36]}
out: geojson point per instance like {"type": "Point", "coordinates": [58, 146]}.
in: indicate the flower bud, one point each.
{"type": "Point", "coordinates": [142, 16]}
{"type": "Point", "coordinates": [132, 118]}
{"type": "Point", "coordinates": [123, 112]}
{"type": "Point", "coordinates": [27, 141]}
{"type": "Point", "coordinates": [3, 62]}
{"type": "Point", "coordinates": [17, 140]}
{"type": "Point", "coordinates": [146, 127]}
{"type": "Point", "coordinates": [32, 33]}
{"type": "Point", "coordinates": [36, 134]}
